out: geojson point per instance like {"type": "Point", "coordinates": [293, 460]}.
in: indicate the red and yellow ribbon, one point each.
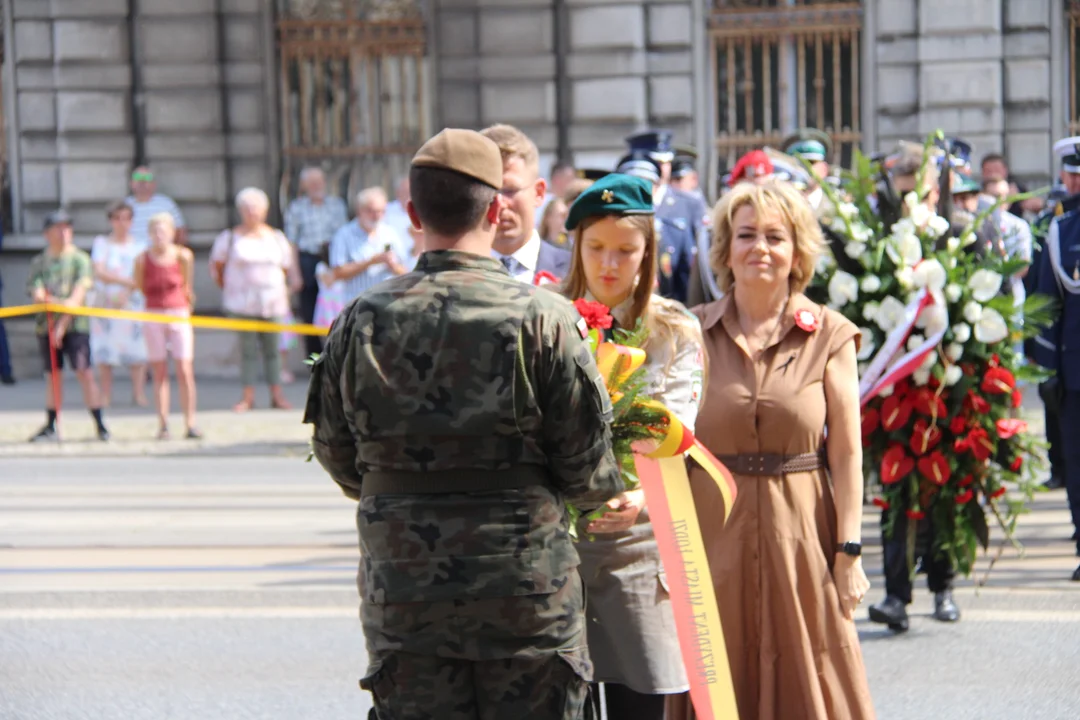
{"type": "Point", "coordinates": [663, 475]}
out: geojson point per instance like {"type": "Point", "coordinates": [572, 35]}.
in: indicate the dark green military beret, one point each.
{"type": "Point", "coordinates": [963, 183]}
{"type": "Point", "coordinates": [614, 194]}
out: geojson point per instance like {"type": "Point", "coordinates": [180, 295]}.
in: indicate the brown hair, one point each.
{"type": "Point", "coordinates": [772, 197]}
{"type": "Point", "coordinates": [546, 232]}
{"type": "Point", "coordinates": [514, 144]}
{"type": "Point", "coordinates": [574, 190]}
{"type": "Point", "coordinates": [116, 206]}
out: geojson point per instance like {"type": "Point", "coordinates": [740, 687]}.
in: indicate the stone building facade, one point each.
{"type": "Point", "coordinates": [220, 94]}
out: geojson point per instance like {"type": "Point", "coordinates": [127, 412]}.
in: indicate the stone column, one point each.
{"type": "Point", "coordinates": [1029, 124]}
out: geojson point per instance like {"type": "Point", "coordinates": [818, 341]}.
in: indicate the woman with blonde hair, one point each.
{"type": "Point", "coordinates": [782, 370]}
{"type": "Point", "coordinates": [165, 275]}
{"type": "Point", "coordinates": [631, 628]}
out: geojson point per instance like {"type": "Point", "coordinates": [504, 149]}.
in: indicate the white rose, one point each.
{"type": "Point", "coordinates": [847, 210]}
{"type": "Point", "coordinates": [904, 249]}
{"type": "Point", "coordinates": [920, 215]}
{"type": "Point", "coordinates": [866, 344]}
{"type": "Point", "coordinates": [921, 376]}
{"type": "Point", "coordinates": [954, 351]}
{"type": "Point", "coordinates": [914, 340]}
{"type": "Point", "coordinates": [889, 314]}
{"type": "Point", "coordinates": [972, 312]}
{"type": "Point", "coordinates": [938, 226]}
{"type": "Point", "coordinates": [984, 284]}
{"type": "Point", "coordinates": [870, 311]}
{"type": "Point", "coordinates": [862, 233]}
{"type": "Point", "coordinates": [931, 274]}
{"type": "Point", "coordinates": [870, 284]}
{"type": "Point", "coordinates": [953, 292]}
{"type": "Point", "coordinates": [933, 319]}
{"type": "Point", "coordinates": [953, 373]}
{"type": "Point", "coordinates": [903, 228]}
{"type": "Point", "coordinates": [991, 327]}
{"type": "Point", "coordinates": [961, 332]}
{"type": "Point", "coordinates": [843, 288]}
{"type": "Point", "coordinates": [886, 391]}
{"type": "Point", "coordinates": [929, 361]}
{"type": "Point", "coordinates": [912, 200]}
{"type": "Point", "coordinates": [823, 263]}
{"type": "Point", "coordinates": [952, 245]}
{"type": "Point", "coordinates": [906, 278]}
{"type": "Point", "coordinates": [854, 250]}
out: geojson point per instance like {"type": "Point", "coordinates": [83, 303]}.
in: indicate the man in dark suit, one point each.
{"type": "Point", "coordinates": [517, 243]}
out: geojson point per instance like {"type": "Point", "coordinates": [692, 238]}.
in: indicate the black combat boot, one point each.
{"type": "Point", "coordinates": [945, 609]}
{"type": "Point", "coordinates": [891, 611]}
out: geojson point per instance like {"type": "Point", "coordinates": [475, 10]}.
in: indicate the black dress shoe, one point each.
{"type": "Point", "coordinates": [7, 380]}
{"type": "Point", "coordinates": [891, 611]}
{"type": "Point", "coordinates": [1056, 482]}
{"type": "Point", "coordinates": [945, 609]}
{"type": "Point", "coordinates": [1076, 575]}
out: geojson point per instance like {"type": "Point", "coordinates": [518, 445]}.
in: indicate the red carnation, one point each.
{"type": "Point", "coordinates": [976, 403]}
{"type": "Point", "coordinates": [979, 443]}
{"type": "Point", "coordinates": [1017, 463]}
{"type": "Point", "coordinates": [998, 381]}
{"type": "Point", "coordinates": [998, 493]}
{"type": "Point", "coordinates": [895, 412]}
{"type": "Point", "coordinates": [881, 503]}
{"type": "Point", "coordinates": [895, 465]}
{"type": "Point", "coordinates": [596, 314]}
{"type": "Point", "coordinates": [924, 437]}
{"type": "Point", "coordinates": [965, 497]}
{"type": "Point", "coordinates": [915, 514]}
{"type": "Point", "coordinates": [1007, 427]}
{"type": "Point", "coordinates": [1017, 398]}
{"type": "Point", "coordinates": [967, 481]}
{"type": "Point", "coordinates": [929, 403]}
{"type": "Point", "coordinates": [935, 468]}
{"type": "Point", "coordinates": [958, 425]}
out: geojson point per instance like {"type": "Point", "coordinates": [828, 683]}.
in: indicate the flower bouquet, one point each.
{"type": "Point", "coordinates": [938, 361]}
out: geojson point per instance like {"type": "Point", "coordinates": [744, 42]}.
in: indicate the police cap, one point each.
{"type": "Point", "coordinates": [655, 143]}
{"type": "Point", "coordinates": [1068, 149]}
{"type": "Point", "coordinates": [463, 151]}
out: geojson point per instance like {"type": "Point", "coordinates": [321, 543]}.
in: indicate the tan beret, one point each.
{"type": "Point", "coordinates": [463, 151]}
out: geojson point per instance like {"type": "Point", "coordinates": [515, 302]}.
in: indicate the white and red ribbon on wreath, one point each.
{"type": "Point", "coordinates": [888, 368]}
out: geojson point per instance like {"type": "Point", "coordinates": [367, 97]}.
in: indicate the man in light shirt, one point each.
{"type": "Point", "coordinates": [367, 251]}
{"type": "Point", "coordinates": [517, 243]}
{"type": "Point", "coordinates": [146, 202]}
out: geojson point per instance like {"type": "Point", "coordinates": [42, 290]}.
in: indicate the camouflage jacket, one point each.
{"type": "Point", "coordinates": [457, 366]}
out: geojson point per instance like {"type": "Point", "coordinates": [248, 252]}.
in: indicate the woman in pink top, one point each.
{"type": "Point", "coordinates": [164, 274]}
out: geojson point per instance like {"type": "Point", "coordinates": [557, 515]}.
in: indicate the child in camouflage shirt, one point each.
{"type": "Point", "coordinates": [63, 274]}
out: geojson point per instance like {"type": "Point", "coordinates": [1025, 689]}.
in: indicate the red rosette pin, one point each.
{"type": "Point", "coordinates": [805, 320]}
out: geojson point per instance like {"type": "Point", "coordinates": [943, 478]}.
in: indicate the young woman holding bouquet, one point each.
{"type": "Point", "coordinates": [786, 566]}
{"type": "Point", "coordinates": [632, 637]}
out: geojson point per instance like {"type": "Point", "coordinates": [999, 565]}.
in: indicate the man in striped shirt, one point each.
{"type": "Point", "coordinates": [146, 201]}
{"type": "Point", "coordinates": [366, 252]}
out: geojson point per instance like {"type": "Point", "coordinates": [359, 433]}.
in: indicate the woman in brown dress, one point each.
{"type": "Point", "coordinates": [786, 565]}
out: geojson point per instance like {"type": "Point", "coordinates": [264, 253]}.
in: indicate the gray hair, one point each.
{"type": "Point", "coordinates": [366, 195]}
{"type": "Point", "coordinates": [252, 197]}
{"type": "Point", "coordinates": [309, 172]}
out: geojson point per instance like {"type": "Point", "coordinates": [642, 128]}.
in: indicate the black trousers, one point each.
{"type": "Point", "coordinates": [625, 704]}
{"type": "Point", "coordinates": [1052, 411]}
{"type": "Point", "coordinates": [937, 566]}
{"type": "Point", "coordinates": [1070, 434]}
{"type": "Point", "coordinates": [308, 295]}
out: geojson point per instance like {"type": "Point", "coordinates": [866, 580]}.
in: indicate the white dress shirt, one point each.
{"type": "Point", "coordinates": [522, 264]}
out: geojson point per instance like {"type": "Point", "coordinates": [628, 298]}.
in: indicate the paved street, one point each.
{"type": "Point", "coordinates": [219, 585]}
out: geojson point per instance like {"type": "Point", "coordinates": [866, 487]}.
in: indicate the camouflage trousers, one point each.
{"type": "Point", "coordinates": [484, 659]}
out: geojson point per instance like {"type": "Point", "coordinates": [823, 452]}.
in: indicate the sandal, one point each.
{"type": "Point", "coordinates": [193, 433]}
{"type": "Point", "coordinates": [281, 405]}
{"type": "Point", "coordinates": [163, 433]}
{"type": "Point", "coordinates": [243, 406]}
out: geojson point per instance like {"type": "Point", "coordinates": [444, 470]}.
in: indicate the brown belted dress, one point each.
{"type": "Point", "coordinates": [793, 654]}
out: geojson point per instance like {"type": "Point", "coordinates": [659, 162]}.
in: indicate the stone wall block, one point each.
{"type": "Point", "coordinates": [80, 40]}
{"type": "Point", "coordinates": [1029, 118]}
{"type": "Point", "coordinates": [516, 32]}
{"type": "Point", "coordinates": [534, 67]}
{"type": "Point", "coordinates": [185, 146]}
{"type": "Point", "coordinates": [95, 146]}
{"type": "Point", "coordinates": [459, 104]}
{"type": "Point", "coordinates": [1029, 44]}
{"type": "Point", "coordinates": [1027, 80]}
{"type": "Point", "coordinates": [898, 86]}
{"type": "Point", "coordinates": [519, 101]}
{"type": "Point", "coordinates": [170, 40]}
{"type": "Point", "coordinates": [1028, 152]}
{"type": "Point", "coordinates": [38, 147]}
{"type": "Point", "coordinates": [192, 180]}
{"type": "Point", "coordinates": [670, 25]}
{"type": "Point", "coordinates": [899, 51]}
{"type": "Point", "coordinates": [960, 83]}
{"type": "Point", "coordinates": [956, 17]}
{"type": "Point", "coordinates": [457, 34]}
{"type": "Point", "coordinates": [97, 182]}
{"type": "Point", "coordinates": [1027, 14]}
{"type": "Point", "coordinates": [609, 99]}
{"type": "Point", "coordinates": [897, 17]}
{"type": "Point", "coordinates": [86, 8]}
{"type": "Point", "coordinates": [183, 111]}
{"type": "Point", "coordinates": [33, 40]}
{"type": "Point", "coordinates": [607, 26]}
{"type": "Point", "coordinates": [92, 111]}
{"type": "Point", "coordinates": [243, 39]}
{"type": "Point", "coordinates": [676, 62]}
{"type": "Point", "coordinates": [610, 63]}
{"type": "Point", "coordinates": [176, 76]}
{"type": "Point", "coordinates": [175, 7]}
{"type": "Point", "coordinates": [965, 122]}
{"type": "Point", "coordinates": [32, 9]}
{"type": "Point", "coordinates": [246, 110]}
{"type": "Point", "coordinates": [960, 48]}
{"type": "Point", "coordinates": [37, 111]}
{"type": "Point", "coordinates": [670, 97]}
{"type": "Point", "coordinates": [39, 183]}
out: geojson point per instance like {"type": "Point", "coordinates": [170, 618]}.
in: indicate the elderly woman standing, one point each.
{"type": "Point", "coordinates": [782, 369]}
{"type": "Point", "coordinates": [256, 269]}
{"type": "Point", "coordinates": [117, 343]}
{"type": "Point", "coordinates": [632, 637]}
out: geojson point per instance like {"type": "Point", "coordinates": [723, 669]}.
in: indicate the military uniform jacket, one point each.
{"type": "Point", "coordinates": [1058, 346]}
{"type": "Point", "coordinates": [457, 366]}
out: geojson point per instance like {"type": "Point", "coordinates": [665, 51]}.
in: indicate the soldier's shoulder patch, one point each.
{"type": "Point", "coordinates": [583, 328]}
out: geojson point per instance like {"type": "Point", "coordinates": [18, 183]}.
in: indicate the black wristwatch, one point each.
{"type": "Point", "coordinates": [853, 549]}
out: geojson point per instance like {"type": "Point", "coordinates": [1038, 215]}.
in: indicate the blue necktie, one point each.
{"type": "Point", "coordinates": [509, 263]}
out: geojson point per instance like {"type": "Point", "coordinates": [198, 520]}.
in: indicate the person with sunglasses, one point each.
{"type": "Point", "coordinates": [145, 202]}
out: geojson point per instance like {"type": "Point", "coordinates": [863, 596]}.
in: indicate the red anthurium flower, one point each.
{"type": "Point", "coordinates": [1017, 398]}
{"type": "Point", "coordinates": [958, 425]}
{"type": "Point", "coordinates": [871, 420]}
{"type": "Point", "coordinates": [967, 481]}
{"type": "Point", "coordinates": [895, 412]}
{"type": "Point", "coordinates": [998, 493]}
{"type": "Point", "coordinates": [902, 388]}
{"type": "Point", "coordinates": [1007, 427]}
{"type": "Point", "coordinates": [979, 443]}
{"type": "Point", "coordinates": [924, 437]}
{"type": "Point", "coordinates": [896, 465]}
{"type": "Point", "coordinates": [968, 368]}
{"type": "Point", "coordinates": [881, 503]}
{"type": "Point", "coordinates": [927, 402]}
{"type": "Point", "coordinates": [976, 403]}
{"type": "Point", "coordinates": [995, 360]}
{"type": "Point", "coordinates": [596, 314]}
{"type": "Point", "coordinates": [998, 381]}
{"type": "Point", "coordinates": [935, 468]}
{"type": "Point", "coordinates": [964, 497]}
{"type": "Point", "coordinates": [915, 514]}
{"type": "Point", "coordinates": [1017, 463]}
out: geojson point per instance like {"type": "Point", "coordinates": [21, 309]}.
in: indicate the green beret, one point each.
{"type": "Point", "coordinates": [614, 194]}
{"type": "Point", "coordinates": [811, 150]}
{"type": "Point", "coordinates": [963, 183]}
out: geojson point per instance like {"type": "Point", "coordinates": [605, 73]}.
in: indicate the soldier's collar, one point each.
{"type": "Point", "coordinates": [434, 260]}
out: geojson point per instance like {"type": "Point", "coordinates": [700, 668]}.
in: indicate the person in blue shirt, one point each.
{"type": "Point", "coordinates": [6, 375]}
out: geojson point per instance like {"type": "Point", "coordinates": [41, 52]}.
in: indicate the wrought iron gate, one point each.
{"type": "Point", "coordinates": [783, 64]}
{"type": "Point", "coordinates": [351, 90]}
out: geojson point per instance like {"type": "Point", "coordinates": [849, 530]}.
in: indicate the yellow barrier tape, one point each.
{"type": "Point", "coordinates": [199, 321]}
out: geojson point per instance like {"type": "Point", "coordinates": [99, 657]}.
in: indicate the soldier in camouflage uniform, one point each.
{"type": "Point", "coordinates": [463, 410]}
